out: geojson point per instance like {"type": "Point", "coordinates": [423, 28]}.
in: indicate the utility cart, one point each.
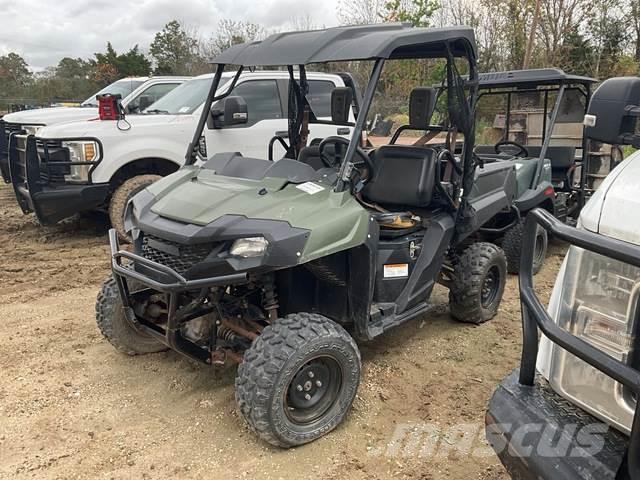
{"type": "Point", "coordinates": [280, 265]}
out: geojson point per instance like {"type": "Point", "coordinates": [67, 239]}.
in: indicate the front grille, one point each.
{"type": "Point", "coordinates": [174, 255]}
{"type": "Point", "coordinates": [52, 151]}
{"type": "Point", "coordinates": [19, 174]}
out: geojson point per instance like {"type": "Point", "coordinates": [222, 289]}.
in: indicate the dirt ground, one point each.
{"type": "Point", "coordinates": [72, 407]}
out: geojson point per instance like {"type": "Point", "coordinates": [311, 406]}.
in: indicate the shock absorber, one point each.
{"type": "Point", "coordinates": [269, 296]}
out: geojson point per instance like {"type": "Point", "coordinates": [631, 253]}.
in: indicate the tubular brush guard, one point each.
{"type": "Point", "coordinates": [170, 336]}
{"type": "Point", "coordinates": [535, 317]}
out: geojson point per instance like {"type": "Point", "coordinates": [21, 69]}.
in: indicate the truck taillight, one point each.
{"type": "Point", "coordinates": [109, 107]}
{"type": "Point", "coordinates": [598, 303]}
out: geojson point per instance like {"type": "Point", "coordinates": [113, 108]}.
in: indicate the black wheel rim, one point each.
{"type": "Point", "coordinates": [538, 252]}
{"type": "Point", "coordinates": [313, 390]}
{"type": "Point", "coordinates": [490, 287]}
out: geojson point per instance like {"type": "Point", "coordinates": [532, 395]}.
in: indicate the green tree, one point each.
{"type": "Point", "coordinates": [14, 74]}
{"type": "Point", "coordinates": [110, 65]}
{"type": "Point", "coordinates": [416, 12]}
{"type": "Point", "coordinates": [174, 51]}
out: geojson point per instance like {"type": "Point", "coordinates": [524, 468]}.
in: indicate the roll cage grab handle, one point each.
{"type": "Point", "coordinates": [535, 317]}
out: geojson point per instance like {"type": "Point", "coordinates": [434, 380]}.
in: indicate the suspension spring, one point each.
{"type": "Point", "coordinates": [269, 296]}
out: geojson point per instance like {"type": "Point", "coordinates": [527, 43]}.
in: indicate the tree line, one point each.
{"type": "Point", "coordinates": [175, 50]}
{"type": "Point", "coordinates": [599, 38]}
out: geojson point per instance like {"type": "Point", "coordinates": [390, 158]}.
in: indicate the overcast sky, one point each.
{"type": "Point", "coordinates": [44, 31]}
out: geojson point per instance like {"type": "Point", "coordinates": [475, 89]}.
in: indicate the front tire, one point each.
{"type": "Point", "coordinates": [116, 328]}
{"type": "Point", "coordinates": [121, 196]}
{"type": "Point", "coordinates": [298, 379]}
{"type": "Point", "coordinates": [477, 284]}
{"type": "Point", "coordinates": [512, 246]}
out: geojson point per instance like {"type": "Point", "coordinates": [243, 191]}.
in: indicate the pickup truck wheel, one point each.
{"type": "Point", "coordinates": [477, 284]}
{"type": "Point", "coordinates": [115, 326]}
{"type": "Point", "coordinates": [121, 196]}
{"type": "Point", "coordinates": [298, 379]}
{"type": "Point", "coordinates": [512, 246]}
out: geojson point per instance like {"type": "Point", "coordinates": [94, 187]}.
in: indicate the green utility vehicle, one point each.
{"type": "Point", "coordinates": [280, 265]}
{"type": "Point", "coordinates": [535, 118]}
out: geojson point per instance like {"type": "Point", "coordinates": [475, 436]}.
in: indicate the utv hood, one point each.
{"type": "Point", "coordinates": [200, 198]}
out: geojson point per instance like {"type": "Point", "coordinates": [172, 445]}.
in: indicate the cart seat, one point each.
{"type": "Point", "coordinates": [404, 176]}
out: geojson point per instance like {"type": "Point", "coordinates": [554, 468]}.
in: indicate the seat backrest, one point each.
{"type": "Point", "coordinates": [561, 156]}
{"type": "Point", "coordinates": [404, 175]}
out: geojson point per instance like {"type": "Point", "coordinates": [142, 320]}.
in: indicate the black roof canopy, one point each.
{"type": "Point", "coordinates": [362, 42]}
{"type": "Point", "coordinates": [530, 78]}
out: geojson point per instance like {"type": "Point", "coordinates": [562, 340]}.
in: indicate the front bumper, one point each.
{"type": "Point", "coordinates": [539, 435]}
{"type": "Point", "coordinates": [50, 202]}
{"type": "Point", "coordinates": [148, 274]}
{"type": "Point", "coordinates": [523, 401]}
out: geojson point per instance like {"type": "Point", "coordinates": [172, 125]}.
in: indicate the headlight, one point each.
{"type": "Point", "coordinates": [80, 151]}
{"type": "Point", "coordinates": [31, 129]}
{"type": "Point", "coordinates": [598, 301]}
{"type": "Point", "coordinates": [249, 247]}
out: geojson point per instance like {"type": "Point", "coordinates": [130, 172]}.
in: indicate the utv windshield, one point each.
{"type": "Point", "coordinates": [121, 87]}
{"type": "Point", "coordinates": [185, 99]}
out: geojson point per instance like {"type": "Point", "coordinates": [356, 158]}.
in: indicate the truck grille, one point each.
{"type": "Point", "coordinates": [174, 255]}
{"type": "Point", "coordinates": [6, 129]}
{"type": "Point", "coordinates": [52, 151]}
{"type": "Point", "coordinates": [19, 175]}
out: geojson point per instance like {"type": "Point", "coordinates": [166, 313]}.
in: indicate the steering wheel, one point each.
{"type": "Point", "coordinates": [522, 150]}
{"type": "Point", "coordinates": [344, 141]}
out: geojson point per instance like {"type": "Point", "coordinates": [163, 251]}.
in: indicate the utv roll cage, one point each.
{"type": "Point", "coordinates": [546, 81]}
{"type": "Point", "coordinates": [376, 43]}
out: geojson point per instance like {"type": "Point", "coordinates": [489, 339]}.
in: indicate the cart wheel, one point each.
{"type": "Point", "coordinates": [512, 246]}
{"type": "Point", "coordinates": [121, 196]}
{"type": "Point", "coordinates": [477, 284]}
{"type": "Point", "coordinates": [298, 379]}
{"type": "Point", "coordinates": [115, 326]}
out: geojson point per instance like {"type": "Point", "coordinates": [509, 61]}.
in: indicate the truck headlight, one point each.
{"type": "Point", "coordinates": [31, 129]}
{"type": "Point", "coordinates": [79, 152]}
{"type": "Point", "coordinates": [598, 302]}
{"type": "Point", "coordinates": [249, 247]}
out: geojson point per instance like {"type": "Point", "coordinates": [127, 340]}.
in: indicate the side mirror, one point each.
{"type": "Point", "coordinates": [341, 99]}
{"type": "Point", "coordinates": [229, 111]}
{"type": "Point", "coordinates": [614, 112]}
{"type": "Point", "coordinates": [145, 101]}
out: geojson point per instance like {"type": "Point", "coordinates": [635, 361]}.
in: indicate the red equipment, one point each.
{"type": "Point", "coordinates": [109, 107]}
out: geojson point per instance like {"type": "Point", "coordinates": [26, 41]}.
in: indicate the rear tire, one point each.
{"type": "Point", "coordinates": [477, 284]}
{"type": "Point", "coordinates": [512, 246]}
{"type": "Point", "coordinates": [298, 379]}
{"type": "Point", "coordinates": [115, 326]}
{"type": "Point", "coordinates": [121, 196]}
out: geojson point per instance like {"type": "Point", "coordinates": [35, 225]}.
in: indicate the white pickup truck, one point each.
{"type": "Point", "coordinates": [572, 411]}
{"type": "Point", "coordinates": [137, 93]}
{"type": "Point", "coordinates": [92, 165]}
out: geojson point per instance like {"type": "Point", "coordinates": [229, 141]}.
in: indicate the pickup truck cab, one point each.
{"type": "Point", "coordinates": [572, 409]}
{"type": "Point", "coordinates": [88, 165]}
{"type": "Point", "coordinates": [137, 94]}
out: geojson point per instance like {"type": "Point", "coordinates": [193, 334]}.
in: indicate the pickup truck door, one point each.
{"type": "Point", "coordinates": [267, 118]}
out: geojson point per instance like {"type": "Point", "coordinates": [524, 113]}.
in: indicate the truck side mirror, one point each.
{"type": "Point", "coordinates": [614, 112]}
{"type": "Point", "coordinates": [145, 101]}
{"type": "Point", "coordinates": [229, 111]}
{"type": "Point", "coordinates": [341, 99]}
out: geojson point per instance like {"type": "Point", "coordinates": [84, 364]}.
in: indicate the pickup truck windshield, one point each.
{"type": "Point", "coordinates": [123, 87]}
{"type": "Point", "coordinates": [185, 99]}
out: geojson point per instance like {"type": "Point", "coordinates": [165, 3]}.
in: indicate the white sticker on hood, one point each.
{"type": "Point", "coordinates": [310, 187]}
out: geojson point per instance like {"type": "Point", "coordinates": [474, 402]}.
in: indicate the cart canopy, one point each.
{"type": "Point", "coordinates": [530, 78]}
{"type": "Point", "coordinates": [362, 42]}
